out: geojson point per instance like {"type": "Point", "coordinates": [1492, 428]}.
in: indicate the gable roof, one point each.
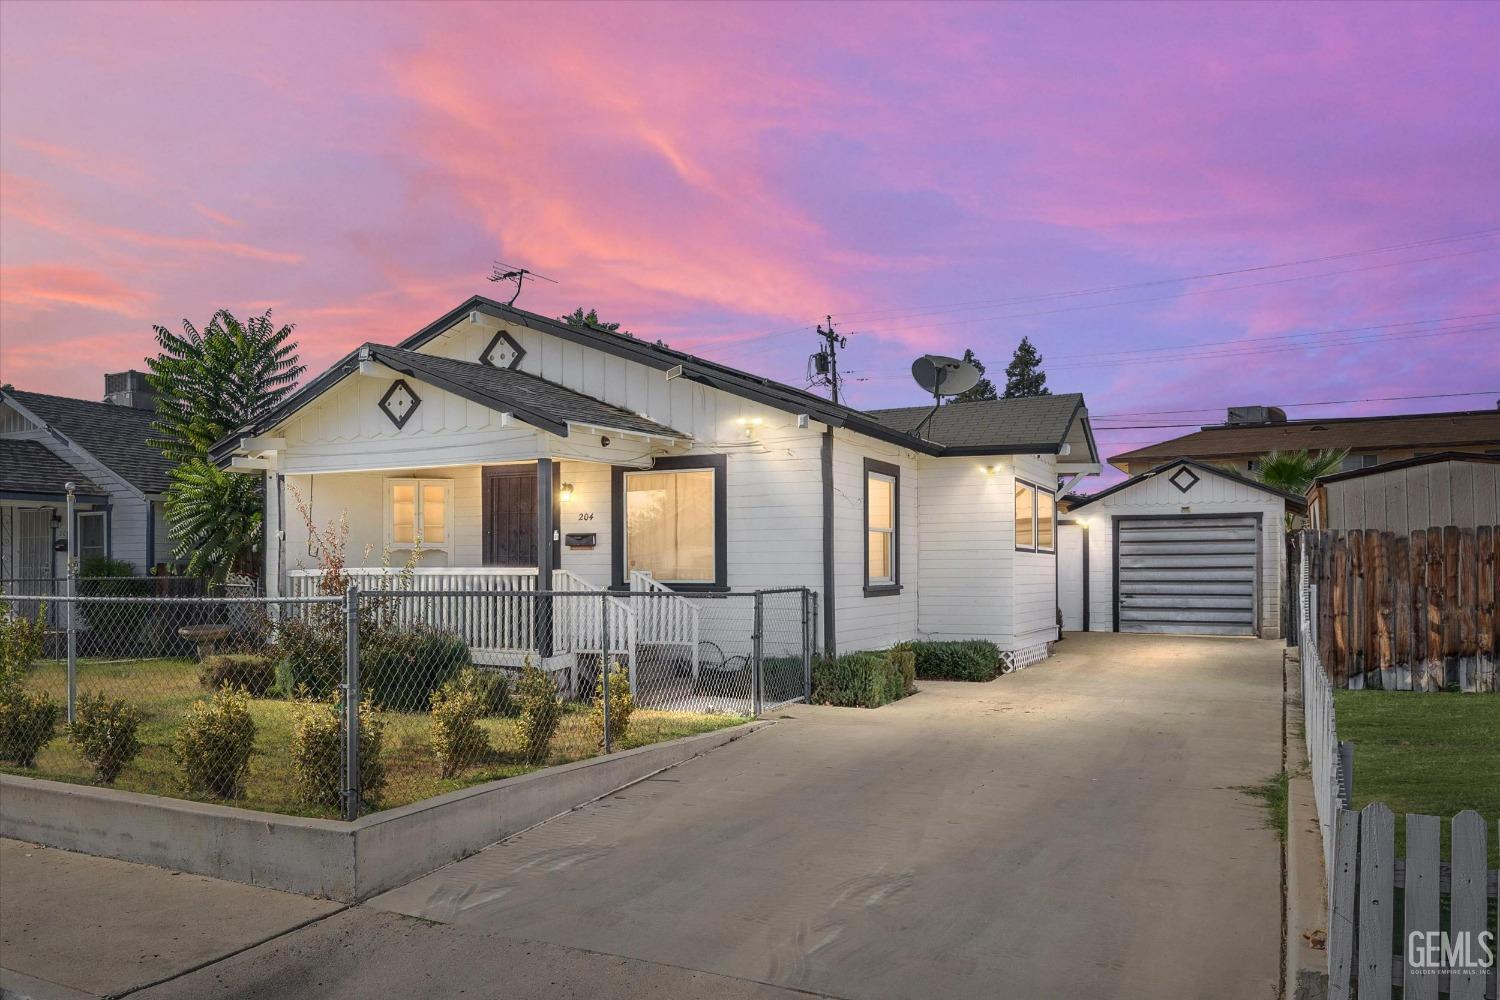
{"type": "Point", "coordinates": [1033, 424]}
{"type": "Point", "coordinates": [115, 436]}
{"type": "Point", "coordinates": [1292, 499]}
{"type": "Point", "coordinates": [1409, 430]}
{"type": "Point", "coordinates": [1409, 463]}
{"type": "Point", "coordinates": [31, 467]}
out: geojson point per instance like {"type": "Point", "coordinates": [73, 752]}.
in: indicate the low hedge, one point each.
{"type": "Point", "coordinates": [862, 680]}
{"type": "Point", "coordinates": [962, 660]}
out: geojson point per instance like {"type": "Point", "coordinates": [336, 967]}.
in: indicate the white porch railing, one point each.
{"type": "Point", "coordinates": [664, 617]}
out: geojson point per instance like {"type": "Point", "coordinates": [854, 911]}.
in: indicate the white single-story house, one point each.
{"type": "Point", "coordinates": [102, 448]}
{"type": "Point", "coordinates": [1447, 489]}
{"type": "Point", "coordinates": [518, 448]}
{"type": "Point", "coordinates": [1186, 547]}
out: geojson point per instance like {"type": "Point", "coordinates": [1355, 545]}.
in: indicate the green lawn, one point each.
{"type": "Point", "coordinates": [164, 689]}
{"type": "Point", "coordinates": [1432, 753]}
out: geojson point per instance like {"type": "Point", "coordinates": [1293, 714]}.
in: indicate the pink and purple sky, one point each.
{"type": "Point", "coordinates": [721, 176]}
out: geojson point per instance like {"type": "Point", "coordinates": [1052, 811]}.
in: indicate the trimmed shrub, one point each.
{"type": "Point", "coordinates": [213, 746]}
{"type": "Point", "coordinates": [864, 680]}
{"type": "Point", "coordinates": [458, 740]}
{"type": "Point", "coordinates": [904, 664]}
{"type": "Point", "coordinates": [400, 670]}
{"type": "Point", "coordinates": [541, 713]}
{"type": "Point", "coordinates": [252, 672]}
{"type": "Point", "coordinates": [310, 656]}
{"type": "Point", "coordinates": [491, 687]}
{"type": "Point", "coordinates": [621, 704]}
{"type": "Point", "coordinates": [103, 732]}
{"type": "Point", "coordinates": [318, 753]}
{"type": "Point", "coordinates": [27, 719]}
{"type": "Point", "coordinates": [21, 642]}
{"type": "Point", "coordinates": [962, 660]}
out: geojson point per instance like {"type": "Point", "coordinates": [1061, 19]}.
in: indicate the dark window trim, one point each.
{"type": "Point", "coordinates": [893, 472]}
{"type": "Point", "coordinates": [1017, 539]}
{"type": "Point", "coordinates": [720, 465]}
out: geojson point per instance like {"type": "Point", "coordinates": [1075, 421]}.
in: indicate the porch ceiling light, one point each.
{"type": "Point", "coordinates": [565, 492]}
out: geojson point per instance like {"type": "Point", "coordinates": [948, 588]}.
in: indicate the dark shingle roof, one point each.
{"type": "Point", "coordinates": [115, 435]}
{"type": "Point", "coordinates": [526, 395]}
{"type": "Point", "coordinates": [29, 467]}
{"type": "Point", "coordinates": [1009, 423]}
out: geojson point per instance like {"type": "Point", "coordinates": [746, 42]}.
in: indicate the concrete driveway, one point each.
{"type": "Point", "coordinates": [1072, 830]}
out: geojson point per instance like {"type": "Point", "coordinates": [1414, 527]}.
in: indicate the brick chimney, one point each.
{"type": "Point", "coordinates": [129, 389]}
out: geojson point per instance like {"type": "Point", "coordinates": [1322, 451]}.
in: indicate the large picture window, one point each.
{"type": "Point", "coordinates": [1036, 518]}
{"type": "Point", "coordinates": [93, 536]}
{"type": "Point", "coordinates": [669, 522]}
{"type": "Point", "coordinates": [882, 528]}
{"type": "Point", "coordinates": [418, 509]}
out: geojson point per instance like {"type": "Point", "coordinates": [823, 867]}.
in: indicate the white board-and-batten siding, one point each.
{"type": "Point", "coordinates": [1438, 495]}
{"type": "Point", "coordinates": [1157, 496]}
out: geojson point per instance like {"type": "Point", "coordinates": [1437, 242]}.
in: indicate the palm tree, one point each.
{"type": "Point", "coordinates": [1295, 471]}
{"type": "Point", "coordinates": [209, 385]}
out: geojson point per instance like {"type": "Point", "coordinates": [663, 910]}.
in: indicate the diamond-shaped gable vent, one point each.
{"type": "Point", "coordinates": [1184, 479]}
{"type": "Point", "coordinates": [399, 403]}
{"type": "Point", "coordinates": [502, 352]}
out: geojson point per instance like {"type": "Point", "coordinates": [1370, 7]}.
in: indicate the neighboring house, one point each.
{"type": "Point", "coordinates": [100, 447]}
{"type": "Point", "coordinates": [1251, 432]}
{"type": "Point", "coordinates": [1185, 547]}
{"type": "Point", "coordinates": [1448, 489]}
{"type": "Point", "coordinates": [520, 449]}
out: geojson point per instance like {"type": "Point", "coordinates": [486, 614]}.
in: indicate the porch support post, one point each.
{"type": "Point", "coordinates": [546, 527]}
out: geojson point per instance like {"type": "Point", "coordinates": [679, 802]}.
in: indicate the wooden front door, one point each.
{"type": "Point", "coordinates": [510, 515]}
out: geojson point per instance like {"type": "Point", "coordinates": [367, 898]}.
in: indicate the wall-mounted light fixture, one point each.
{"type": "Point", "coordinates": [565, 492]}
{"type": "Point", "coordinates": [990, 470]}
{"type": "Point", "coordinates": [750, 424]}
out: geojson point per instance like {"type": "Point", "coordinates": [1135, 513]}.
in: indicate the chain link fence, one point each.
{"type": "Point", "coordinates": [340, 703]}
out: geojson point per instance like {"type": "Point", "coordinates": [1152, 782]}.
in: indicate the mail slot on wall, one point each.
{"type": "Point", "coordinates": [581, 540]}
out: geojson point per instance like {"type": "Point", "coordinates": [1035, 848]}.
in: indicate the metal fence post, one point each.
{"type": "Point", "coordinates": [757, 696]}
{"type": "Point", "coordinates": [807, 635]}
{"type": "Point", "coordinates": [72, 601]}
{"type": "Point", "coordinates": [351, 703]}
{"type": "Point", "coordinates": [604, 665]}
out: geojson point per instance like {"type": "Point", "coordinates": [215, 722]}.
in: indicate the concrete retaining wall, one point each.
{"type": "Point", "coordinates": [319, 857]}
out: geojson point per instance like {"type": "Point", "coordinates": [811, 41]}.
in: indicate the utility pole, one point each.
{"type": "Point", "coordinates": [824, 366]}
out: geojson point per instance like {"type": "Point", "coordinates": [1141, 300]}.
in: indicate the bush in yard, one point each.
{"type": "Point", "coordinates": [621, 704]}
{"type": "Point", "coordinates": [103, 731]}
{"type": "Point", "coordinates": [541, 712]}
{"type": "Point", "coordinates": [400, 669]}
{"type": "Point", "coordinates": [318, 753]}
{"type": "Point", "coordinates": [904, 662]}
{"type": "Point", "coordinates": [865, 680]}
{"type": "Point", "coordinates": [963, 660]}
{"type": "Point", "coordinates": [27, 719]}
{"type": "Point", "coordinates": [458, 740]}
{"type": "Point", "coordinates": [213, 746]}
{"type": "Point", "coordinates": [310, 655]}
{"type": "Point", "coordinates": [22, 640]}
{"type": "Point", "coordinates": [254, 673]}
{"type": "Point", "coordinates": [491, 687]}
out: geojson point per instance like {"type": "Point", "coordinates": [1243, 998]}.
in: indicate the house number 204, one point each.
{"type": "Point", "coordinates": [587, 516]}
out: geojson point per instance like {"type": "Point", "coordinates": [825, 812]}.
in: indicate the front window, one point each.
{"type": "Point", "coordinates": [882, 527]}
{"type": "Point", "coordinates": [1045, 520]}
{"type": "Point", "coordinates": [670, 525]}
{"type": "Point", "coordinates": [93, 540]}
{"type": "Point", "coordinates": [417, 512]}
{"type": "Point", "coordinates": [1025, 517]}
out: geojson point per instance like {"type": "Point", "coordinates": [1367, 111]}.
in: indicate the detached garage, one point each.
{"type": "Point", "coordinates": [1187, 548]}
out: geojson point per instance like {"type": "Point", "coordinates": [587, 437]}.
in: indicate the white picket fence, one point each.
{"type": "Point", "coordinates": [1375, 947]}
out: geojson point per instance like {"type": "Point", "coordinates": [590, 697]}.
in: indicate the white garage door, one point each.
{"type": "Point", "coordinates": [1186, 574]}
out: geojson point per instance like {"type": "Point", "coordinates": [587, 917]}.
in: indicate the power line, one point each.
{"type": "Point", "coordinates": [1318, 402]}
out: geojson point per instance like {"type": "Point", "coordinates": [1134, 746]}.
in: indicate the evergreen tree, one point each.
{"type": "Point", "coordinates": [209, 385]}
{"type": "Point", "coordinates": [983, 389]}
{"type": "Point", "coordinates": [590, 321]}
{"type": "Point", "coordinates": [1024, 376]}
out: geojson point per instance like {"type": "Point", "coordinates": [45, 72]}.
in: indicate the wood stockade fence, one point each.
{"type": "Point", "coordinates": [1406, 612]}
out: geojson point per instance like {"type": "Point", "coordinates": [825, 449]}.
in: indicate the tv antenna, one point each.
{"type": "Point", "coordinates": [517, 275]}
{"type": "Point", "coordinates": [942, 376]}
{"type": "Point", "coordinates": [823, 367]}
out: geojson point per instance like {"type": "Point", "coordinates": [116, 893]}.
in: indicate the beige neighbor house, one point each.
{"type": "Point", "coordinates": [1249, 433]}
{"type": "Point", "coordinates": [526, 453]}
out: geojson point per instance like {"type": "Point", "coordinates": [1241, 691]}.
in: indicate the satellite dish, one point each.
{"type": "Point", "coordinates": [944, 376]}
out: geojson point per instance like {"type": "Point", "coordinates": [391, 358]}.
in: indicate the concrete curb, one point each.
{"type": "Point", "coordinates": [320, 857]}
{"type": "Point", "coordinates": [1306, 885]}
